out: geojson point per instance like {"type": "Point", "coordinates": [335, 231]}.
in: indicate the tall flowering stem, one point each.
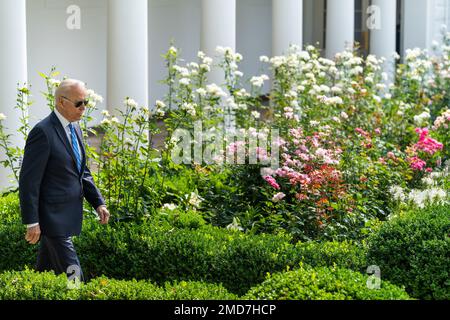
{"type": "Point", "coordinates": [14, 154]}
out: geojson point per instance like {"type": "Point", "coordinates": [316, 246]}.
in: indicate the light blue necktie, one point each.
{"type": "Point", "coordinates": [75, 148]}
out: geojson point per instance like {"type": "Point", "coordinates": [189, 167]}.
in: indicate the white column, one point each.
{"type": "Point", "coordinates": [218, 29]}
{"type": "Point", "coordinates": [415, 23]}
{"type": "Point", "coordinates": [287, 25]}
{"type": "Point", "coordinates": [127, 52]}
{"type": "Point", "coordinates": [13, 70]}
{"type": "Point", "coordinates": [383, 35]}
{"type": "Point", "coordinates": [438, 16]}
{"type": "Point", "coordinates": [340, 26]}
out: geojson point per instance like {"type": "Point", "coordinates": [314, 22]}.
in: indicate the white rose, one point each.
{"type": "Point", "coordinates": [160, 104]}
{"type": "Point", "coordinates": [256, 114]}
{"type": "Point", "coordinates": [185, 81]}
{"type": "Point", "coordinates": [238, 74]}
{"type": "Point", "coordinates": [207, 60]}
{"type": "Point", "coordinates": [54, 82]}
{"type": "Point", "coordinates": [201, 54]}
{"type": "Point", "coordinates": [114, 120]}
{"type": "Point", "coordinates": [169, 206]}
{"type": "Point", "coordinates": [205, 67]}
{"type": "Point", "coordinates": [159, 112]}
{"type": "Point", "coordinates": [220, 50]}
{"type": "Point", "coordinates": [130, 102]}
{"type": "Point", "coordinates": [201, 91]}
{"type": "Point", "coordinates": [238, 57]}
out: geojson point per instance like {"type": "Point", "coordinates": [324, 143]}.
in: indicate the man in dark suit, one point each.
{"type": "Point", "coordinates": [54, 179]}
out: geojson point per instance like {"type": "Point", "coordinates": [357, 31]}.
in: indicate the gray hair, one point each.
{"type": "Point", "coordinates": [65, 87]}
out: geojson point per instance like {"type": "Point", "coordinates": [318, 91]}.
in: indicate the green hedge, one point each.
{"type": "Point", "coordinates": [300, 284]}
{"type": "Point", "coordinates": [322, 283]}
{"type": "Point", "coordinates": [15, 252]}
{"type": "Point", "coordinates": [30, 285]}
{"type": "Point", "coordinates": [9, 208]}
{"type": "Point", "coordinates": [414, 250]}
{"type": "Point", "coordinates": [322, 254]}
{"type": "Point", "coordinates": [153, 252]}
{"type": "Point", "coordinates": [181, 219]}
{"type": "Point", "coordinates": [211, 254]}
{"type": "Point", "coordinates": [157, 250]}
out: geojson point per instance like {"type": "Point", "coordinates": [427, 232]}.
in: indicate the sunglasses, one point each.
{"type": "Point", "coordinates": [79, 103]}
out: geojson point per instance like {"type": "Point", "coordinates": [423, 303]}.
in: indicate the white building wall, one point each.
{"type": "Point", "coordinates": [439, 14]}
{"type": "Point", "coordinates": [127, 55]}
{"type": "Point", "coordinates": [254, 27]}
{"type": "Point", "coordinates": [79, 54]}
{"type": "Point", "coordinates": [162, 29]}
{"type": "Point", "coordinates": [415, 24]}
{"type": "Point", "coordinates": [82, 53]}
{"type": "Point", "coordinates": [423, 20]}
{"type": "Point", "coordinates": [13, 70]}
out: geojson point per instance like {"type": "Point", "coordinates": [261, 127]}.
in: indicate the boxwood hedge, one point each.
{"type": "Point", "coordinates": [414, 250]}
{"type": "Point", "coordinates": [322, 283]}
{"type": "Point", "coordinates": [157, 250]}
{"type": "Point", "coordinates": [30, 285]}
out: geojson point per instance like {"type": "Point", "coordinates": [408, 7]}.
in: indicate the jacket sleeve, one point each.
{"type": "Point", "coordinates": [91, 192]}
{"type": "Point", "coordinates": [37, 152]}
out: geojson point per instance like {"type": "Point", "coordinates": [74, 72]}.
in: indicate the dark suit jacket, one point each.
{"type": "Point", "coordinates": [51, 189]}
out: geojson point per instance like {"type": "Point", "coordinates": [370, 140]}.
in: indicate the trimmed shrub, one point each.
{"type": "Point", "coordinates": [162, 253]}
{"type": "Point", "coordinates": [414, 250]}
{"type": "Point", "coordinates": [322, 254]}
{"type": "Point", "coordinates": [322, 283]}
{"type": "Point", "coordinates": [157, 250]}
{"type": "Point", "coordinates": [180, 219]}
{"type": "Point", "coordinates": [145, 251]}
{"type": "Point", "coordinates": [243, 261]}
{"type": "Point", "coordinates": [15, 251]}
{"type": "Point", "coordinates": [9, 208]}
{"type": "Point", "coordinates": [110, 289]}
{"type": "Point", "coordinates": [211, 254]}
{"type": "Point", "coordinates": [196, 290]}
{"type": "Point", "coordinates": [30, 285]}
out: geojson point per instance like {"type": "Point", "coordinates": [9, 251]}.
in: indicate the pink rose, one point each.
{"type": "Point", "coordinates": [278, 197]}
{"type": "Point", "coordinates": [272, 182]}
{"type": "Point", "coordinates": [417, 163]}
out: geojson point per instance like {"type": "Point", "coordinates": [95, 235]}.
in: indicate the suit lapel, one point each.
{"type": "Point", "coordinates": [63, 137]}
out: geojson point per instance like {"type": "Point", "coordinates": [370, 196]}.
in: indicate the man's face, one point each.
{"type": "Point", "coordinates": [69, 102]}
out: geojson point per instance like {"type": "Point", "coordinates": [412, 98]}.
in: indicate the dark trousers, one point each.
{"type": "Point", "coordinates": [58, 254]}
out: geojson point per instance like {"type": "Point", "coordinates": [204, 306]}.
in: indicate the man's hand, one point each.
{"type": "Point", "coordinates": [33, 234]}
{"type": "Point", "coordinates": [104, 214]}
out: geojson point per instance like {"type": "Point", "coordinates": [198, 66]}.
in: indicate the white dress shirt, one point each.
{"type": "Point", "coordinates": [65, 124]}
